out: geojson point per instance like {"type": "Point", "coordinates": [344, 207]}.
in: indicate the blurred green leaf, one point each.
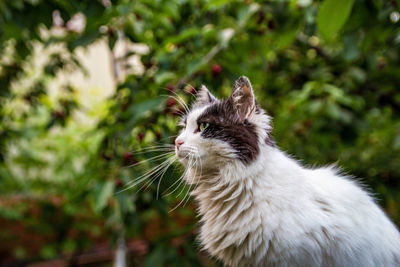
{"type": "Point", "coordinates": [106, 191]}
{"type": "Point", "coordinates": [156, 257]}
{"type": "Point", "coordinates": [332, 15]}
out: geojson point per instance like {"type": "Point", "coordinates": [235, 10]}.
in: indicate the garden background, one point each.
{"type": "Point", "coordinates": [85, 84]}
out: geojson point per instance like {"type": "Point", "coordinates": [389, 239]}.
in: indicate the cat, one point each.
{"type": "Point", "coordinates": [259, 207]}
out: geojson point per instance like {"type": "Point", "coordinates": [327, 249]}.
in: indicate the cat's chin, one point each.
{"type": "Point", "coordinates": [183, 156]}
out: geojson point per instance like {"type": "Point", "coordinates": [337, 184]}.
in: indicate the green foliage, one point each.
{"type": "Point", "coordinates": [328, 72]}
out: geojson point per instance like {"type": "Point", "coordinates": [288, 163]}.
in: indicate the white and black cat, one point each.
{"type": "Point", "coordinates": [259, 207]}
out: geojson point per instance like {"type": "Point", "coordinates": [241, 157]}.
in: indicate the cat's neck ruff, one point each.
{"type": "Point", "coordinates": [270, 164]}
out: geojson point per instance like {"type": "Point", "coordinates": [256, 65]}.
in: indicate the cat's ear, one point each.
{"type": "Point", "coordinates": [242, 98]}
{"type": "Point", "coordinates": [204, 97]}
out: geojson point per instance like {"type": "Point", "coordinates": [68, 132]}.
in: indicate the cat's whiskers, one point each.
{"type": "Point", "coordinates": [168, 137]}
{"type": "Point", "coordinates": [185, 199]}
{"type": "Point", "coordinates": [192, 87]}
{"type": "Point", "coordinates": [150, 159]}
{"type": "Point", "coordinates": [147, 174]}
{"type": "Point", "coordinates": [156, 172]}
{"type": "Point", "coordinates": [159, 174]}
{"type": "Point", "coordinates": [180, 179]}
{"type": "Point", "coordinates": [196, 182]}
{"type": "Point", "coordinates": [166, 149]}
{"type": "Point", "coordinates": [160, 169]}
{"type": "Point", "coordinates": [165, 170]}
{"type": "Point", "coordinates": [180, 113]}
{"type": "Point", "coordinates": [188, 190]}
{"type": "Point", "coordinates": [153, 148]}
{"type": "Point", "coordinates": [190, 185]}
{"type": "Point", "coordinates": [182, 100]}
{"type": "Point", "coordinates": [198, 179]}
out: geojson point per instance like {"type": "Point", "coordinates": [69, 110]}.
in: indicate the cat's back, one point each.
{"type": "Point", "coordinates": [341, 225]}
{"type": "Point", "coordinates": [318, 217]}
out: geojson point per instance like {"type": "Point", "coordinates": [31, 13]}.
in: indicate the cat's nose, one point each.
{"type": "Point", "coordinates": [178, 143]}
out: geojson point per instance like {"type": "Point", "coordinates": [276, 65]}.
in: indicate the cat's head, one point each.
{"type": "Point", "coordinates": [220, 132]}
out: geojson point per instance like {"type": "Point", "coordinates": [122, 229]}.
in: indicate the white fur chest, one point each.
{"type": "Point", "coordinates": [232, 228]}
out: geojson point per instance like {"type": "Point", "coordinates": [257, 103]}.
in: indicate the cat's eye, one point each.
{"type": "Point", "coordinates": [203, 126]}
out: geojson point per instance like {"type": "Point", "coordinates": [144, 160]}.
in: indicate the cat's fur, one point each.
{"type": "Point", "coordinates": [259, 207]}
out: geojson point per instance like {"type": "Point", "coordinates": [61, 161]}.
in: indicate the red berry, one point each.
{"type": "Point", "coordinates": [158, 135]}
{"type": "Point", "coordinates": [170, 87]}
{"type": "Point", "coordinates": [261, 31]}
{"type": "Point", "coordinates": [171, 102]}
{"type": "Point", "coordinates": [140, 136]}
{"type": "Point", "coordinates": [261, 17]}
{"type": "Point", "coordinates": [178, 112]}
{"type": "Point", "coordinates": [216, 69]}
{"type": "Point", "coordinates": [125, 105]}
{"type": "Point", "coordinates": [271, 25]}
{"type": "Point", "coordinates": [58, 114]}
{"type": "Point", "coordinates": [119, 183]}
{"type": "Point", "coordinates": [192, 91]}
{"type": "Point", "coordinates": [127, 156]}
{"type": "Point", "coordinates": [382, 63]}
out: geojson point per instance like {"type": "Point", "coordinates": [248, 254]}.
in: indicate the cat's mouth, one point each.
{"type": "Point", "coordinates": [182, 154]}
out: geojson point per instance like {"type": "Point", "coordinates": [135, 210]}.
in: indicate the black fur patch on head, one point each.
{"type": "Point", "coordinates": [224, 125]}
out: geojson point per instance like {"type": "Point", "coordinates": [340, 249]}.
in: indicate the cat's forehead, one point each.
{"type": "Point", "coordinates": [197, 112]}
{"type": "Point", "coordinates": [194, 114]}
{"type": "Point", "coordinates": [216, 112]}
{"type": "Point", "coordinates": [219, 112]}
